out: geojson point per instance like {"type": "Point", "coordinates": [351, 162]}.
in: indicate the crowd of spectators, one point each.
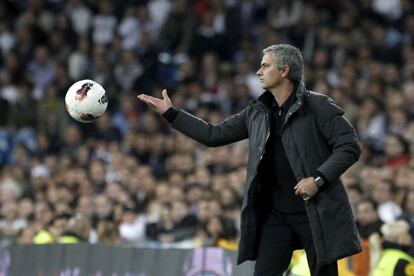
{"type": "Point", "coordinates": [128, 178]}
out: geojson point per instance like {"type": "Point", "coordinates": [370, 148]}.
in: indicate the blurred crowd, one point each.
{"type": "Point", "coordinates": [128, 178]}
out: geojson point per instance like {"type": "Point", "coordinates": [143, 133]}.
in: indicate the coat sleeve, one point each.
{"type": "Point", "coordinates": [340, 136]}
{"type": "Point", "coordinates": [232, 129]}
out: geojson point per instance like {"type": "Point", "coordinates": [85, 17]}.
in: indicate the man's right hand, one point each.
{"type": "Point", "coordinates": [159, 105]}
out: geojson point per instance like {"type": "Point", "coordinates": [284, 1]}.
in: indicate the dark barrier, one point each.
{"type": "Point", "coordinates": [100, 260]}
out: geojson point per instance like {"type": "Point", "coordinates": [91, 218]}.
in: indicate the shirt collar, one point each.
{"type": "Point", "coordinates": [289, 101]}
{"type": "Point", "coordinates": [270, 102]}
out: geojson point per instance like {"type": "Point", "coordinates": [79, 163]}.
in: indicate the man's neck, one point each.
{"type": "Point", "coordinates": [282, 92]}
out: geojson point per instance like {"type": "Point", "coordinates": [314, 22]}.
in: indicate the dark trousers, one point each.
{"type": "Point", "coordinates": [283, 233]}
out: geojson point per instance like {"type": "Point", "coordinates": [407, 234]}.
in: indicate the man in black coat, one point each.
{"type": "Point", "coordinates": [299, 145]}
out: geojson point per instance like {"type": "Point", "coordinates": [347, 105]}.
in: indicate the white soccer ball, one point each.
{"type": "Point", "coordinates": [86, 101]}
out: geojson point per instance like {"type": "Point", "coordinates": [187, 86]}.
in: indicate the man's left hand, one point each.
{"type": "Point", "coordinates": [306, 188]}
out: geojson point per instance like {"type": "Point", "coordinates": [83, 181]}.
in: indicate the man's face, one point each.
{"type": "Point", "coordinates": [269, 76]}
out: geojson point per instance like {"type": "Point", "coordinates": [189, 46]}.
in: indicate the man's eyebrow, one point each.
{"type": "Point", "coordinates": [264, 64]}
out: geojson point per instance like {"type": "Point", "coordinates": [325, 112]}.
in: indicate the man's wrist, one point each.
{"type": "Point", "coordinates": [170, 114]}
{"type": "Point", "coordinates": [319, 181]}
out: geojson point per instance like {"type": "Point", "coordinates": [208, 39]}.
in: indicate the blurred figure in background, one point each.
{"type": "Point", "coordinates": [397, 257]}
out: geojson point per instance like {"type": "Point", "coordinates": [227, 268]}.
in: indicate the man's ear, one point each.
{"type": "Point", "coordinates": [285, 71]}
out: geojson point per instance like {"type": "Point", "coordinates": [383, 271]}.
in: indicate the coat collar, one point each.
{"type": "Point", "coordinates": [300, 92]}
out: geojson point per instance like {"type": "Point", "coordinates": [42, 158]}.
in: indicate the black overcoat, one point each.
{"type": "Point", "coordinates": [316, 137]}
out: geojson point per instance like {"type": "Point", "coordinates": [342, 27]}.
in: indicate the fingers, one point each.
{"type": "Point", "coordinates": [141, 97]}
{"type": "Point", "coordinates": [298, 185]}
{"type": "Point", "coordinates": [145, 98]}
{"type": "Point", "coordinates": [165, 95]}
{"type": "Point", "coordinates": [148, 100]}
{"type": "Point", "coordinates": [297, 189]}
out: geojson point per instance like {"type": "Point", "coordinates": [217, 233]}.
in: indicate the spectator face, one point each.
{"type": "Point", "coordinates": [21, 155]}
{"type": "Point", "coordinates": [43, 213]}
{"type": "Point", "coordinates": [105, 7]}
{"type": "Point", "coordinates": [162, 192]}
{"type": "Point", "coordinates": [128, 57]}
{"type": "Point", "coordinates": [27, 235]}
{"type": "Point", "coordinates": [398, 117]}
{"type": "Point", "coordinates": [203, 176]}
{"type": "Point", "coordinates": [72, 136]}
{"type": "Point", "coordinates": [368, 109]}
{"type": "Point", "coordinates": [176, 194]}
{"type": "Point", "coordinates": [176, 179]}
{"type": "Point", "coordinates": [382, 192]}
{"type": "Point", "coordinates": [157, 145]}
{"type": "Point", "coordinates": [25, 208]}
{"type": "Point", "coordinates": [97, 172]}
{"type": "Point", "coordinates": [408, 133]}
{"type": "Point", "coordinates": [227, 198]}
{"type": "Point", "coordinates": [109, 234]}
{"type": "Point", "coordinates": [209, 63]}
{"type": "Point", "coordinates": [103, 207]}
{"type": "Point", "coordinates": [404, 177]}
{"type": "Point", "coordinates": [194, 194]}
{"type": "Point", "coordinates": [179, 211]}
{"type": "Point", "coordinates": [150, 123]}
{"type": "Point", "coordinates": [79, 224]}
{"type": "Point", "coordinates": [180, 6]}
{"type": "Point", "coordinates": [366, 213]}
{"type": "Point", "coordinates": [369, 177]}
{"type": "Point", "coordinates": [23, 34]}
{"type": "Point", "coordinates": [85, 206]}
{"type": "Point", "coordinates": [52, 195]}
{"type": "Point", "coordinates": [215, 207]}
{"type": "Point", "coordinates": [409, 93]}
{"type": "Point", "coordinates": [353, 194]}
{"type": "Point", "coordinates": [12, 62]}
{"type": "Point", "coordinates": [59, 226]}
{"type": "Point", "coordinates": [203, 211]}
{"type": "Point", "coordinates": [409, 203]}
{"type": "Point", "coordinates": [393, 146]}
{"type": "Point", "coordinates": [7, 193]}
{"type": "Point", "coordinates": [113, 190]}
{"type": "Point", "coordinates": [129, 217]}
{"type": "Point", "coordinates": [104, 123]}
{"type": "Point", "coordinates": [391, 74]}
{"type": "Point", "coordinates": [214, 227]}
{"type": "Point", "coordinates": [9, 211]}
{"type": "Point", "coordinates": [182, 163]}
{"type": "Point", "coordinates": [62, 207]}
{"type": "Point", "coordinates": [41, 56]}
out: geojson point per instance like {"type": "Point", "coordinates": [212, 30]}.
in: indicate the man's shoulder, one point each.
{"type": "Point", "coordinates": [259, 103]}
{"type": "Point", "coordinates": [322, 102]}
{"type": "Point", "coordinates": [316, 97]}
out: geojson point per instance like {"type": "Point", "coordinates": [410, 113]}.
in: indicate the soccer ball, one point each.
{"type": "Point", "coordinates": [86, 101]}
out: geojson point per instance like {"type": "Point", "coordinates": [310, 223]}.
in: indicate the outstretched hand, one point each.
{"type": "Point", "coordinates": [159, 105]}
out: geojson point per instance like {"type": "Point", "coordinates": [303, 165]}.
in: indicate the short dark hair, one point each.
{"type": "Point", "coordinates": [368, 200]}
